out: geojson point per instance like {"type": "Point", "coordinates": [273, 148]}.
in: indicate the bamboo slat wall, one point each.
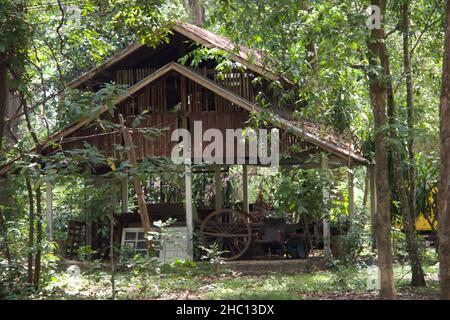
{"type": "Point", "coordinates": [236, 81]}
{"type": "Point", "coordinates": [94, 135]}
{"type": "Point", "coordinates": [150, 99]}
{"type": "Point", "coordinates": [132, 76]}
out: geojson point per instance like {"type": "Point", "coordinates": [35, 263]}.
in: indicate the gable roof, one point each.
{"type": "Point", "coordinates": [250, 58]}
{"type": "Point", "coordinates": [301, 128]}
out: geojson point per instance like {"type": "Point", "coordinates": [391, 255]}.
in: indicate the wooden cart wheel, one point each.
{"type": "Point", "coordinates": [230, 229]}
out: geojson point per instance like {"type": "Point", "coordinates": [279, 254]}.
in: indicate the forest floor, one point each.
{"type": "Point", "coordinates": [203, 281]}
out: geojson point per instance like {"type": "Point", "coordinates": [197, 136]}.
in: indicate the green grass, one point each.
{"type": "Point", "coordinates": [275, 286]}
{"type": "Point", "coordinates": [203, 282]}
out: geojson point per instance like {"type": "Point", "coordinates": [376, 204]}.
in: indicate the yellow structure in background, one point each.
{"type": "Point", "coordinates": [422, 224]}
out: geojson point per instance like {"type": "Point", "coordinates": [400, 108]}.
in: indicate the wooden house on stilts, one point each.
{"type": "Point", "coordinates": [175, 96]}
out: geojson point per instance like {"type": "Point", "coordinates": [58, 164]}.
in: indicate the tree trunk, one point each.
{"type": "Point", "coordinates": [444, 174]}
{"type": "Point", "coordinates": [197, 12]}
{"type": "Point", "coordinates": [37, 259]}
{"type": "Point", "coordinates": [143, 210]}
{"type": "Point", "coordinates": [4, 229]}
{"type": "Point", "coordinates": [366, 190]}
{"type": "Point", "coordinates": [3, 97]}
{"type": "Point", "coordinates": [30, 230]}
{"type": "Point", "coordinates": [4, 201]}
{"type": "Point", "coordinates": [410, 108]}
{"type": "Point", "coordinates": [418, 277]}
{"type": "Point", "coordinates": [377, 92]}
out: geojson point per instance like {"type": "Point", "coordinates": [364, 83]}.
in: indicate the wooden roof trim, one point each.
{"type": "Point", "coordinates": [108, 63]}
{"type": "Point", "coordinates": [138, 86]}
{"type": "Point", "coordinates": [256, 67]}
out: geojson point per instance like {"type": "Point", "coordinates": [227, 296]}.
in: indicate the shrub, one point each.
{"type": "Point", "coordinates": [352, 244]}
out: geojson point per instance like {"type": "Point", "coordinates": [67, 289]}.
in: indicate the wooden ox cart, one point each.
{"type": "Point", "coordinates": [238, 235]}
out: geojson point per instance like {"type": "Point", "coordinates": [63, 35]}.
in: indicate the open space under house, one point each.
{"type": "Point", "coordinates": [175, 96]}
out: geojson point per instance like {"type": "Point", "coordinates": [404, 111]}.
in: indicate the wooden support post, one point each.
{"type": "Point", "coordinates": [49, 209]}
{"type": "Point", "coordinates": [326, 199]}
{"type": "Point", "coordinates": [188, 173]}
{"type": "Point", "coordinates": [373, 202]}
{"type": "Point", "coordinates": [245, 205]}
{"type": "Point", "coordinates": [184, 102]}
{"type": "Point", "coordinates": [111, 240]}
{"type": "Point", "coordinates": [351, 194]}
{"type": "Point", "coordinates": [145, 219]}
{"type": "Point", "coordinates": [218, 187]}
{"type": "Point", "coordinates": [88, 230]}
{"type": "Point", "coordinates": [189, 215]}
{"type": "Point", "coordinates": [95, 183]}
{"type": "Point", "coordinates": [125, 200]}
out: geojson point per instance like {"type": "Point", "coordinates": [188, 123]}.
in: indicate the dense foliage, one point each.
{"type": "Point", "coordinates": [322, 46]}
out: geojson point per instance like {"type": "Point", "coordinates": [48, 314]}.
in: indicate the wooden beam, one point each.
{"type": "Point", "coordinates": [326, 200]}
{"type": "Point", "coordinates": [189, 214]}
{"type": "Point", "coordinates": [125, 199]}
{"type": "Point", "coordinates": [245, 204]}
{"type": "Point", "coordinates": [49, 209]}
{"type": "Point", "coordinates": [143, 210]}
{"type": "Point", "coordinates": [351, 194]}
{"type": "Point", "coordinates": [188, 174]}
{"type": "Point", "coordinates": [89, 211]}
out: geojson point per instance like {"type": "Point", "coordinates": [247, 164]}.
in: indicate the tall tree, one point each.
{"type": "Point", "coordinates": [14, 35]}
{"type": "Point", "coordinates": [197, 11]}
{"type": "Point", "coordinates": [409, 104]}
{"type": "Point", "coordinates": [408, 201]}
{"type": "Point", "coordinates": [3, 95]}
{"type": "Point", "coordinates": [30, 230]}
{"type": "Point", "coordinates": [378, 60]}
{"type": "Point", "coordinates": [418, 276]}
{"type": "Point", "coordinates": [444, 174]}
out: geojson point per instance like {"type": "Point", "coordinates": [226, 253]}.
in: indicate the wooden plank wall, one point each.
{"type": "Point", "coordinates": [236, 81]}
